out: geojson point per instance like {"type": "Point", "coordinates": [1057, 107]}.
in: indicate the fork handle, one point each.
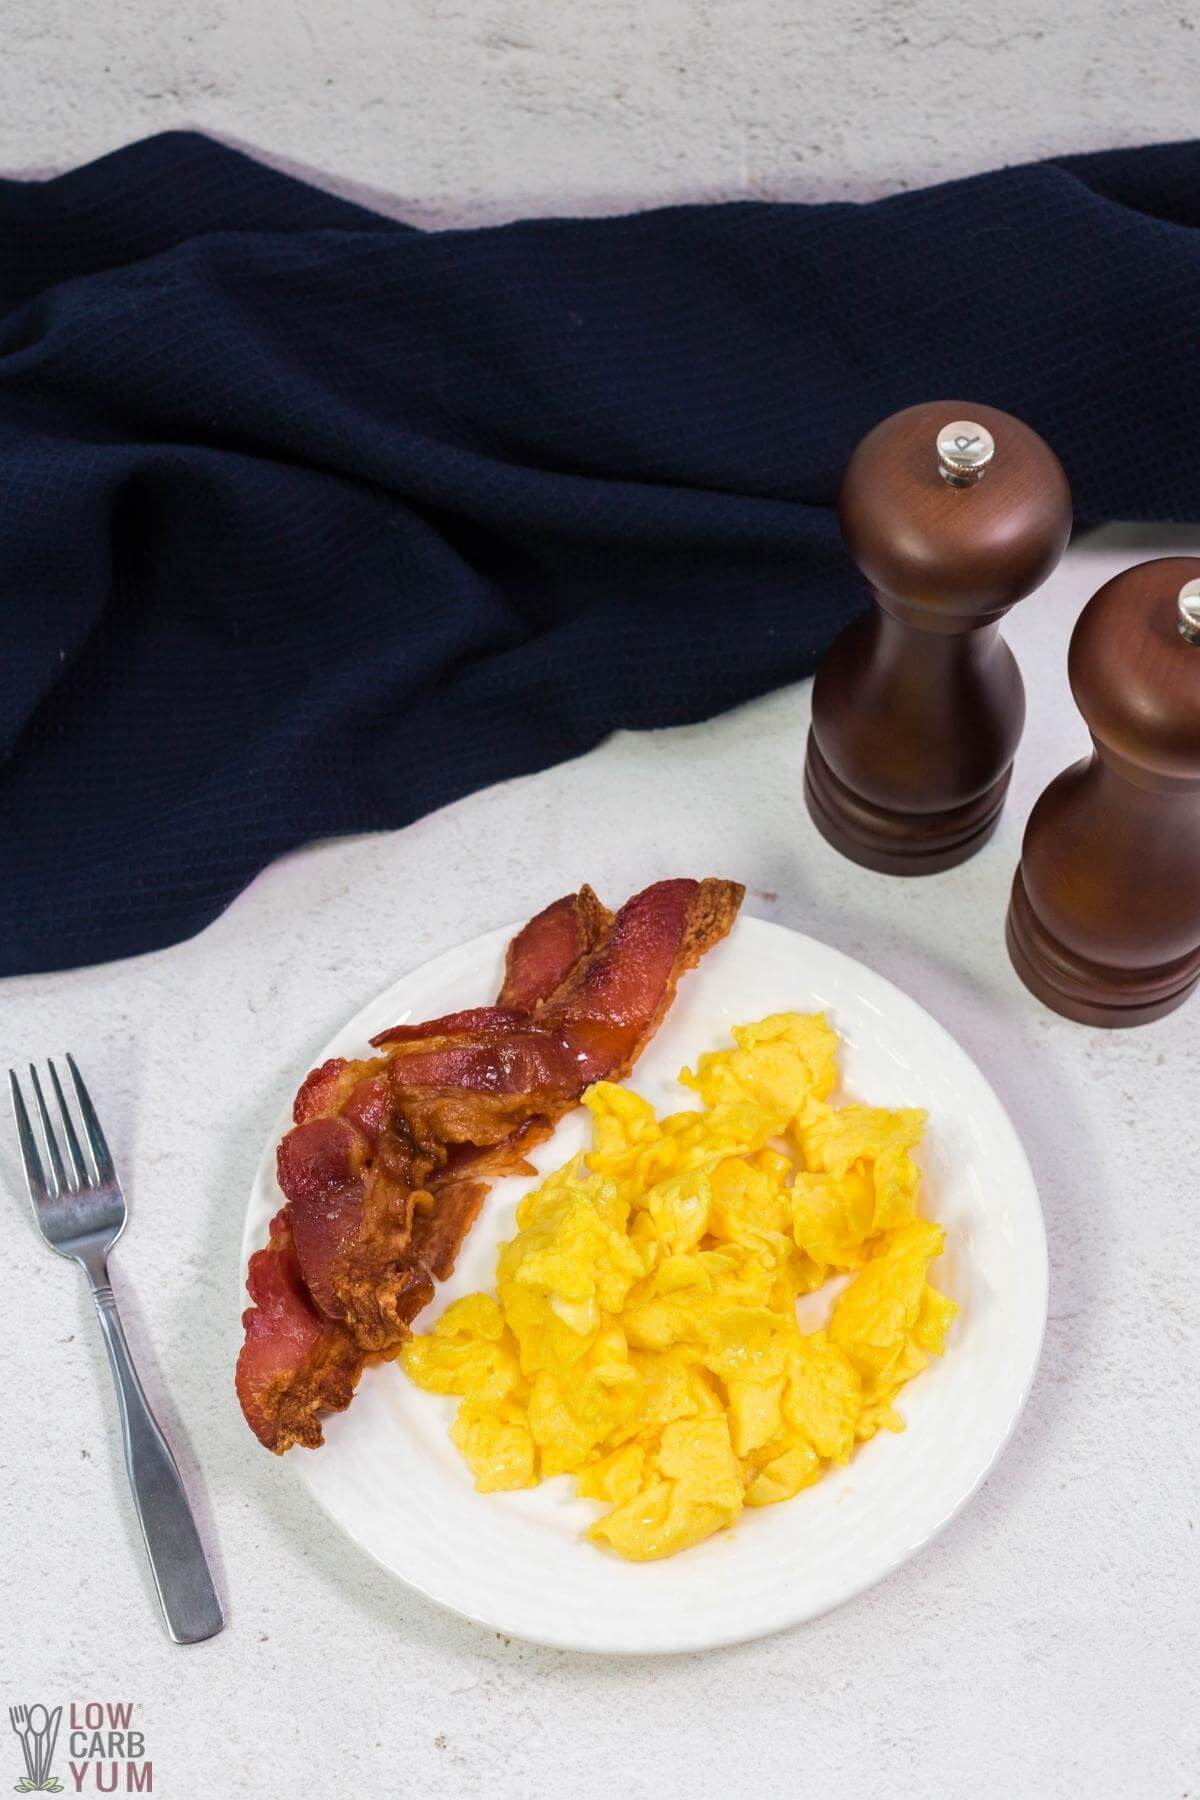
{"type": "Point", "coordinates": [177, 1560]}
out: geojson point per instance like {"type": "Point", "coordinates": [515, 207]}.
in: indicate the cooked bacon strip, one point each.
{"type": "Point", "coordinates": [391, 1157]}
{"type": "Point", "coordinates": [321, 1164]}
{"type": "Point", "coordinates": [439, 1230]}
{"type": "Point", "coordinates": [543, 954]}
{"type": "Point", "coordinates": [539, 960]}
{"type": "Point", "coordinates": [294, 1365]}
{"type": "Point", "coordinates": [493, 1021]}
{"type": "Point", "coordinates": [357, 1088]}
{"type": "Point", "coordinates": [479, 1092]}
{"type": "Point", "coordinates": [613, 1002]}
{"type": "Point", "coordinates": [474, 1079]}
{"type": "Point", "coordinates": [473, 1089]}
{"type": "Point", "coordinates": [428, 1226]}
{"type": "Point", "coordinates": [321, 1168]}
{"type": "Point", "coordinates": [355, 1249]}
{"type": "Point", "coordinates": [377, 1279]}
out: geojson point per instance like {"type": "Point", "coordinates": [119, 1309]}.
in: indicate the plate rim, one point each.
{"type": "Point", "coordinates": [680, 1642]}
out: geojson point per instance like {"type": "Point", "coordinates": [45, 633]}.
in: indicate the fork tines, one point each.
{"type": "Point", "coordinates": [74, 1175]}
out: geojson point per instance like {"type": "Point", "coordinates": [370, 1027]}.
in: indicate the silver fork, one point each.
{"type": "Point", "coordinates": [81, 1212]}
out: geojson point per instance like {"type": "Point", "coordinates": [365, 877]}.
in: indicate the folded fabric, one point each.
{"type": "Point", "coordinates": [312, 522]}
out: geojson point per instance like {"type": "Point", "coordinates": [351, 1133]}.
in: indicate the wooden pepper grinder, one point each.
{"type": "Point", "coordinates": [1104, 923]}
{"type": "Point", "coordinates": [953, 512]}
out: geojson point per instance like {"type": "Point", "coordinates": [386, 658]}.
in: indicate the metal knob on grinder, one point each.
{"type": "Point", "coordinates": [964, 452]}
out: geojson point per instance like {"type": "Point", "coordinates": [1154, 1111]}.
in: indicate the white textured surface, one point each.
{"type": "Point", "coordinates": [463, 111]}
{"type": "Point", "coordinates": [1048, 1645]}
{"type": "Point", "coordinates": [389, 1475]}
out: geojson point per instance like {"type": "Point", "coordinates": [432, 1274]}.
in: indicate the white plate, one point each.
{"type": "Point", "coordinates": [389, 1476]}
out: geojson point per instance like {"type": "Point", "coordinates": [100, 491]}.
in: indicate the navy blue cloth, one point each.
{"type": "Point", "coordinates": [311, 521]}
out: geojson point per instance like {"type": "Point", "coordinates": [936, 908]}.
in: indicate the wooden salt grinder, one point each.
{"type": "Point", "coordinates": [953, 512]}
{"type": "Point", "coordinates": [1104, 923]}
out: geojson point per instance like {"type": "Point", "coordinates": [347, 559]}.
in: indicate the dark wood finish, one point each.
{"type": "Point", "coordinates": [918, 706]}
{"type": "Point", "coordinates": [1104, 924]}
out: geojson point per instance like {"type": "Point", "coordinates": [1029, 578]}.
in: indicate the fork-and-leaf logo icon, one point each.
{"type": "Point", "coordinates": [38, 1732]}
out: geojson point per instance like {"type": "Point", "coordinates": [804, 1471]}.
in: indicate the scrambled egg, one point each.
{"type": "Point", "coordinates": [644, 1335]}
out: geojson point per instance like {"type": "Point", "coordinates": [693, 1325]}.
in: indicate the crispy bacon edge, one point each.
{"type": "Point", "coordinates": [294, 1364]}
